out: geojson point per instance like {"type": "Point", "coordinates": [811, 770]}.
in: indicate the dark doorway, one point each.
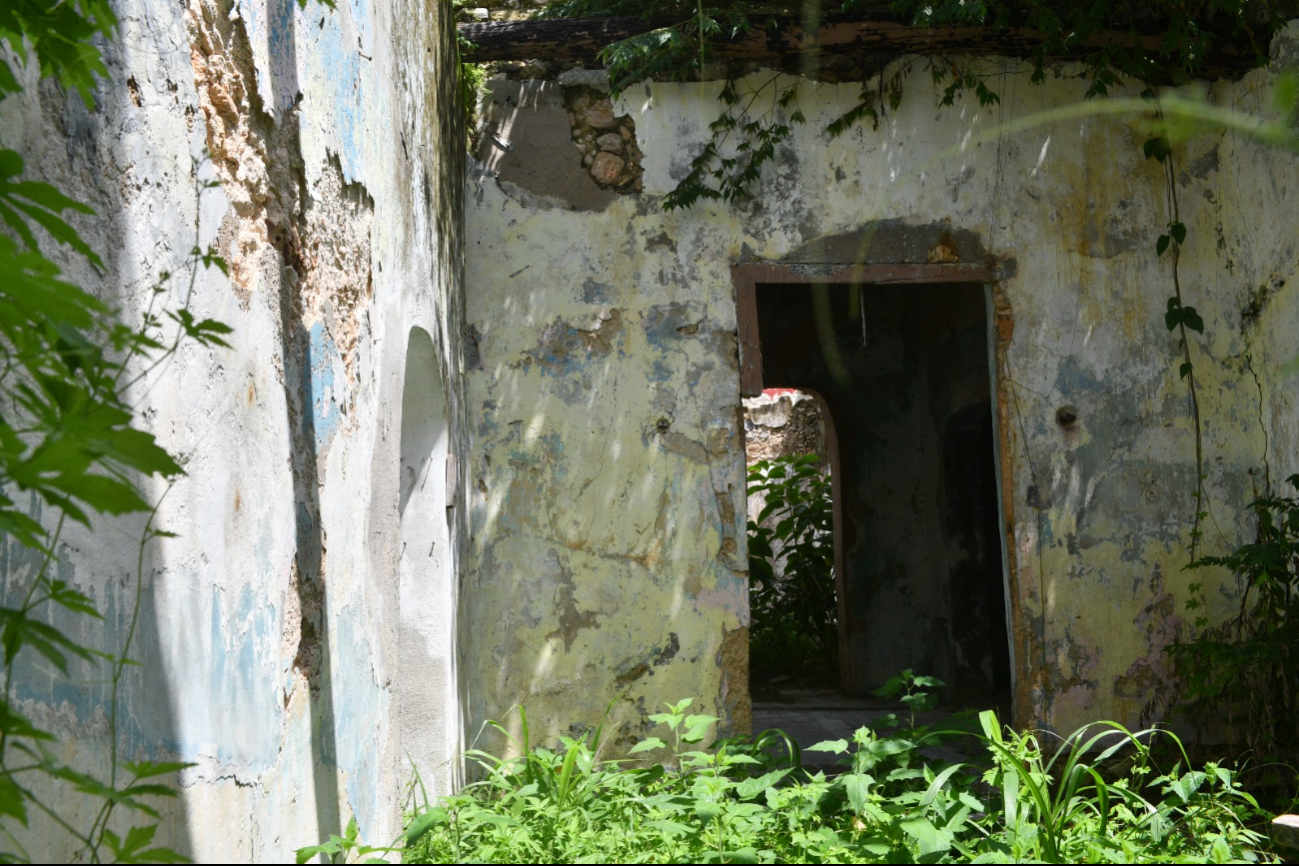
{"type": "Point", "coordinates": [904, 374]}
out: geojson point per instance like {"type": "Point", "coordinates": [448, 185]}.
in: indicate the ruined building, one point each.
{"type": "Point", "coordinates": [478, 442]}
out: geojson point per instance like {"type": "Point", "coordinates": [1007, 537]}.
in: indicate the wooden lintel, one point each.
{"type": "Point", "coordinates": [785, 41]}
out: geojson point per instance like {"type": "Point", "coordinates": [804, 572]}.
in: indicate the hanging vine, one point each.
{"type": "Point", "coordinates": [1157, 41]}
{"type": "Point", "coordinates": [1181, 317]}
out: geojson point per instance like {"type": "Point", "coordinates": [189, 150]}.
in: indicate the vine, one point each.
{"type": "Point", "coordinates": [1181, 317]}
{"type": "Point", "coordinates": [1152, 41]}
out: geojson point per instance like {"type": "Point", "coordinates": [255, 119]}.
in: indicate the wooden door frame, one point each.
{"type": "Point", "coordinates": [747, 276]}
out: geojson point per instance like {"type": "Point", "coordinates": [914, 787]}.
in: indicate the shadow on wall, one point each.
{"type": "Point", "coordinates": [427, 705]}
{"type": "Point", "coordinates": [307, 579]}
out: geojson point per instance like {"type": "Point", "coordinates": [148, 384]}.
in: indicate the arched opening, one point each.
{"type": "Point", "coordinates": [796, 563]}
{"type": "Point", "coordinates": [426, 690]}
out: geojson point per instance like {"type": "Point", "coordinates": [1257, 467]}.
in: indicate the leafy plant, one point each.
{"type": "Point", "coordinates": [68, 441]}
{"type": "Point", "coordinates": [1246, 670]}
{"type": "Point", "coordinates": [1098, 797]}
{"type": "Point", "coordinates": [792, 607]}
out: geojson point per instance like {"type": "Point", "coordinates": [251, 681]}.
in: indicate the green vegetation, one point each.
{"type": "Point", "coordinates": [1096, 796]}
{"type": "Point", "coordinates": [1245, 671]}
{"type": "Point", "coordinates": [68, 441]}
{"type": "Point", "coordinates": [793, 615]}
{"type": "Point", "coordinates": [1148, 43]}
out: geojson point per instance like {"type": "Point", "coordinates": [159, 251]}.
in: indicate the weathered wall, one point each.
{"type": "Point", "coordinates": [317, 150]}
{"type": "Point", "coordinates": [607, 468]}
{"type": "Point", "coordinates": [782, 424]}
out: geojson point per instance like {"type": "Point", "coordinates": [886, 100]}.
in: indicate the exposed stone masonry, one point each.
{"type": "Point", "coordinates": [607, 142]}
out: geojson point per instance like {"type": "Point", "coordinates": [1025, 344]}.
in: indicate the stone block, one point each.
{"type": "Point", "coordinates": [606, 168]}
{"type": "Point", "coordinates": [610, 141]}
{"type": "Point", "coordinates": [1285, 831]}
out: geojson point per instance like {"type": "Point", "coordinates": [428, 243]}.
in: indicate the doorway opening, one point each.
{"type": "Point", "coordinates": [903, 374]}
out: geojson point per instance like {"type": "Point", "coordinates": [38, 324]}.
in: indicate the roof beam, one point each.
{"type": "Point", "coordinates": [785, 43]}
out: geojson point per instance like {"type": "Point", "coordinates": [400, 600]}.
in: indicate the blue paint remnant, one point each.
{"type": "Point", "coordinates": [361, 712]}
{"type": "Point", "coordinates": [665, 324]}
{"type": "Point", "coordinates": [565, 350]}
{"type": "Point", "coordinates": [361, 21]}
{"type": "Point", "coordinates": [322, 356]}
{"type": "Point", "coordinates": [332, 67]}
{"type": "Point", "coordinates": [343, 86]}
{"type": "Point", "coordinates": [274, 24]}
{"type": "Point", "coordinates": [1073, 378]}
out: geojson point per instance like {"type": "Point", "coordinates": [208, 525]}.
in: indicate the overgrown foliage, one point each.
{"type": "Point", "coordinates": [1245, 671]}
{"type": "Point", "coordinates": [1096, 796]}
{"type": "Point", "coordinates": [1150, 42]}
{"type": "Point", "coordinates": [793, 614]}
{"type": "Point", "coordinates": [70, 450]}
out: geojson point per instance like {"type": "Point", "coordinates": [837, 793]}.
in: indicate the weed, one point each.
{"type": "Point", "coordinates": [753, 802]}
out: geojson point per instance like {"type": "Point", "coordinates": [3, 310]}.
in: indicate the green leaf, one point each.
{"type": "Point", "coordinates": [857, 786]}
{"type": "Point", "coordinates": [1178, 231]}
{"type": "Point", "coordinates": [1184, 370]}
{"type": "Point", "coordinates": [1157, 148]}
{"type": "Point", "coordinates": [152, 769]}
{"type": "Point", "coordinates": [671, 828]}
{"type": "Point", "coordinates": [646, 745]}
{"type": "Point", "coordinates": [1161, 245]}
{"type": "Point", "coordinates": [423, 823]}
{"type": "Point", "coordinates": [1173, 318]}
{"type": "Point", "coordinates": [696, 726]}
{"type": "Point", "coordinates": [937, 784]}
{"type": "Point", "coordinates": [836, 746]}
{"type": "Point", "coordinates": [11, 163]}
{"type": "Point", "coordinates": [12, 801]}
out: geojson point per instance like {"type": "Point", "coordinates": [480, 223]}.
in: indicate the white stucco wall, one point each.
{"type": "Point", "coordinates": [318, 151]}
{"type": "Point", "coordinates": [604, 441]}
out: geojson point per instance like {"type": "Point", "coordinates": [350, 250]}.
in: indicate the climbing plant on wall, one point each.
{"type": "Point", "coordinates": [1115, 43]}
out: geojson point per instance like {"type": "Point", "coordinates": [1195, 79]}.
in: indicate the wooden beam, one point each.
{"type": "Point", "coordinates": [579, 40]}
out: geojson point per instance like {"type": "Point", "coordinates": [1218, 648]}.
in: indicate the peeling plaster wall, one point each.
{"type": "Point", "coordinates": [607, 470]}
{"type": "Point", "coordinates": [320, 153]}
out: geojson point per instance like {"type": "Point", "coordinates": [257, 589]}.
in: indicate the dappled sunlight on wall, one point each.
{"type": "Point", "coordinates": [606, 489]}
